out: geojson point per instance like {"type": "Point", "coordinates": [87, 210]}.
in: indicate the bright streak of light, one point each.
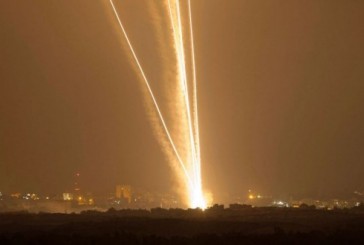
{"type": "Point", "coordinates": [183, 74]}
{"type": "Point", "coordinates": [194, 184]}
{"type": "Point", "coordinates": [195, 106]}
{"type": "Point", "coordinates": [187, 101]}
{"type": "Point", "coordinates": [152, 95]}
{"type": "Point", "coordinates": [196, 194]}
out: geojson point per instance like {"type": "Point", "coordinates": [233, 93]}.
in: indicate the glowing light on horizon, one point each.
{"type": "Point", "coordinates": [196, 194]}
{"type": "Point", "coordinates": [192, 174]}
{"type": "Point", "coordinates": [200, 198]}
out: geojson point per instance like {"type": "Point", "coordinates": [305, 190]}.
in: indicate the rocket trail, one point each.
{"type": "Point", "coordinates": [178, 39]}
{"type": "Point", "coordinates": [152, 95]}
{"type": "Point", "coordinates": [195, 107]}
{"type": "Point", "coordinates": [196, 196]}
{"type": "Point", "coordinates": [192, 165]}
{"type": "Point", "coordinates": [187, 100]}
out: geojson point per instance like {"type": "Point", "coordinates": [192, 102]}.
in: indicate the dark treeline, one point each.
{"type": "Point", "coordinates": [238, 224]}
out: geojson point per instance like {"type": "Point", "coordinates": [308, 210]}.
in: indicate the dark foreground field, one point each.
{"type": "Point", "coordinates": [214, 226]}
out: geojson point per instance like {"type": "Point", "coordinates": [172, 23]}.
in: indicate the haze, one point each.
{"type": "Point", "coordinates": [280, 88]}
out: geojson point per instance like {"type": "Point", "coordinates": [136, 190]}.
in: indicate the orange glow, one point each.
{"type": "Point", "coordinates": [196, 196]}
{"type": "Point", "coordinates": [150, 91]}
{"type": "Point", "coordinates": [191, 167]}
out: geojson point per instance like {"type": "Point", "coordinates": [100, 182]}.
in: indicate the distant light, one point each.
{"type": "Point", "coordinates": [67, 196]}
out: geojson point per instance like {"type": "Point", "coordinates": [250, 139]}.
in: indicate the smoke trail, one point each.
{"type": "Point", "coordinates": [178, 44]}
{"type": "Point", "coordinates": [190, 144]}
{"type": "Point", "coordinates": [196, 197]}
{"type": "Point", "coordinates": [177, 121]}
{"type": "Point", "coordinates": [186, 92]}
{"type": "Point", "coordinates": [195, 101]}
{"type": "Point", "coordinates": [151, 94]}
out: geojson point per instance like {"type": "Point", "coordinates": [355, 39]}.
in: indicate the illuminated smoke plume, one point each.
{"type": "Point", "coordinates": [185, 147]}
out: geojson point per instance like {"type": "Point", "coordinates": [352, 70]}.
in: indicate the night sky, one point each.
{"type": "Point", "coordinates": [280, 83]}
